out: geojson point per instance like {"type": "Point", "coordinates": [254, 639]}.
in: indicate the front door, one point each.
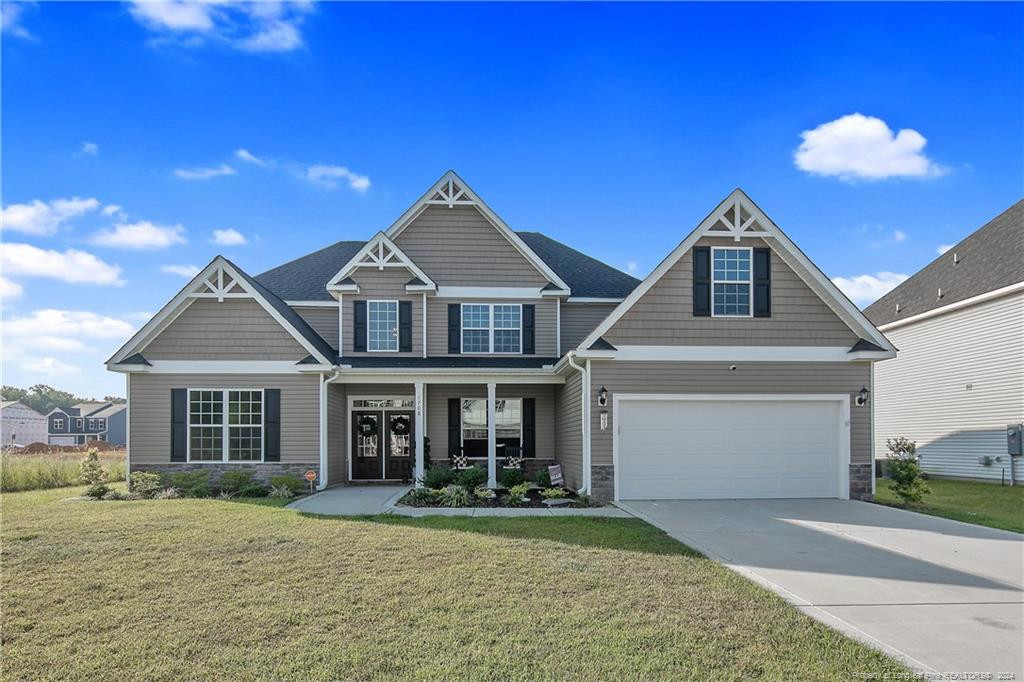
{"type": "Point", "coordinates": [382, 445]}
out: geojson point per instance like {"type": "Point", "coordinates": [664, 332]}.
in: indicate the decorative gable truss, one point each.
{"type": "Point", "coordinates": [379, 253]}
{"type": "Point", "coordinates": [220, 280]}
{"type": "Point", "coordinates": [740, 218]}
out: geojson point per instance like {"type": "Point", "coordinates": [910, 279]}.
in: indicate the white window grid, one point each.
{"type": "Point", "coordinates": [58, 424]}
{"type": "Point", "coordinates": [101, 423]}
{"type": "Point", "coordinates": [381, 326]}
{"type": "Point", "coordinates": [492, 328]}
{"type": "Point", "coordinates": [508, 419]}
{"type": "Point", "coordinates": [79, 422]}
{"type": "Point", "coordinates": [92, 424]}
{"type": "Point", "coordinates": [732, 283]}
{"type": "Point", "coordinates": [225, 425]}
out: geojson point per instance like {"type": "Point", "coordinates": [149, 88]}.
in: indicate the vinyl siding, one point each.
{"type": "Point", "coordinates": [569, 428]}
{"type": "Point", "coordinates": [459, 247]}
{"type": "Point", "coordinates": [388, 285]}
{"type": "Point", "coordinates": [664, 315]}
{"type": "Point", "coordinates": [714, 377]}
{"type": "Point", "coordinates": [151, 412]}
{"type": "Point", "coordinates": [923, 393]}
{"type": "Point", "coordinates": [579, 319]}
{"type": "Point", "coordinates": [235, 329]}
{"type": "Point", "coordinates": [323, 320]}
{"type": "Point", "coordinates": [337, 434]}
{"type": "Point", "coordinates": [544, 321]}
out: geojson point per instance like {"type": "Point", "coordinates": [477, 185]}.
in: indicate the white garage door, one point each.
{"type": "Point", "coordinates": [706, 449]}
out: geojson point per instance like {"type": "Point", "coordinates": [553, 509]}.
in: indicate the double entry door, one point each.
{"type": "Point", "coordinates": [382, 445]}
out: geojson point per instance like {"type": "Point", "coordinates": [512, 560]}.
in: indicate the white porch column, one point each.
{"type": "Point", "coordinates": [420, 429]}
{"type": "Point", "coordinates": [492, 440]}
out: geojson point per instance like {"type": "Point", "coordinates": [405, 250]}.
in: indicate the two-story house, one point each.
{"type": "Point", "coordinates": [20, 424]}
{"type": "Point", "coordinates": [736, 369]}
{"type": "Point", "coordinates": [85, 422]}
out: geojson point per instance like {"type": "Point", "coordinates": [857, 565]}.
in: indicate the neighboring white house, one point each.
{"type": "Point", "coordinates": [958, 379]}
{"type": "Point", "coordinates": [20, 424]}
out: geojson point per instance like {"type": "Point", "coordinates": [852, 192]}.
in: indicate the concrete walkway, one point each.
{"type": "Point", "coordinates": [359, 500]}
{"type": "Point", "coordinates": [941, 595]}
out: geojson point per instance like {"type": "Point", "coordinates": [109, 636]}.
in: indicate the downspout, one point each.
{"type": "Point", "coordinates": [324, 380]}
{"type": "Point", "coordinates": [585, 410]}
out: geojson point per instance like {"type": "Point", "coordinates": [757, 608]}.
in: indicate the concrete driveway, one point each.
{"type": "Point", "coordinates": [941, 595]}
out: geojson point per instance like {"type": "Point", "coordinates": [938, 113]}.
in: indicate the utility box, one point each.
{"type": "Point", "coordinates": [1013, 439]}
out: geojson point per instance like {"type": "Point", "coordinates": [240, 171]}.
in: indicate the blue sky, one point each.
{"type": "Point", "coordinates": [872, 133]}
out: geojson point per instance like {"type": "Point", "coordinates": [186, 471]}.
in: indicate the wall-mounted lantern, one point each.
{"type": "Point", "coordinates": [862, 396]}
{"type": "Point", "coordinates": [602, 396]}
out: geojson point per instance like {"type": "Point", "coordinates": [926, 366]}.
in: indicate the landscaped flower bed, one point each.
{"type": "Point", "coordinates": [459, 488]}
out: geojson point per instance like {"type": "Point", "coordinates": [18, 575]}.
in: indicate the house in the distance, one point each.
{"type": "Point", "coordinates": [84, 422]}
{"type": "Point", "coordinates": [959, 378]}
{"type": "Point", "coordinates": [20, 424]}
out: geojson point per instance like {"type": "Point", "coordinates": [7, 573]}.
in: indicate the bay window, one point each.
{"type": "Point", "coordinates": [234, 434]}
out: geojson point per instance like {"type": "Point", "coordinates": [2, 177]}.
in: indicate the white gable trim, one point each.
{"type": "Point", "coordinates": [210, 283]}
{"type": "Point", "coordinates": [451, 190]}
{"type": "Point", "coordinates": [378, 253]}
{"type": "Point", "coordinates": [719, 223]}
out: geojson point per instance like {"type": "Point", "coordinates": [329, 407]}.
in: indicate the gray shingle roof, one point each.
{"type": "Point", "coordinates": [305, 278]}
{"type": "Point", "coordinates": [989, 259]}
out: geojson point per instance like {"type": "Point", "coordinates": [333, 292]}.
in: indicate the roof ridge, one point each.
{"type": "Point", "coordinates": [313, 253]}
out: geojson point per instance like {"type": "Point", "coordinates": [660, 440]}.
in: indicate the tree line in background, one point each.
{"type": "Point", "coordinates": [43, 398]}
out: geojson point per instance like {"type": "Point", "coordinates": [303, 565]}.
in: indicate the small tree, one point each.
{"type": "Point", "coordinates": [91, 473]}
{"type": "Point", "coordinates": [904, 470]}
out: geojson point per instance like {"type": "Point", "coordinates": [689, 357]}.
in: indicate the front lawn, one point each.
{"type": "Point", "coordinates": [985, 504]}
{"type": "Point", "coordinates": [208, 589]}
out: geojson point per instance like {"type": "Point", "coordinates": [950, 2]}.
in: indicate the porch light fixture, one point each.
{"type": "Point", "coordinates": [602, 396]}
{"type": "Point", "coordinates": [862, 396]}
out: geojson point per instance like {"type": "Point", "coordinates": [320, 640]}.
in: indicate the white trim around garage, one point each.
{"type": "Point", "coordinates": [844, 422]}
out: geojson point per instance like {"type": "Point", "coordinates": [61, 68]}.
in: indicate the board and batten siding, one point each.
{"type": "Point", "coordinates": [382, 285]}
{"type": "Point", "coordinates": [579, 319]}
{"type": "Point", "coordinates": [233, 329]}
{"type": "Point", "coordinates": [956, 383]}
{"type": "Point", "coordinates": [544, 323]}
{"type": "Point", "coordinates": [569, 428]}
{"type": "Point", "coordinates": [458, 246]}
{"type": "Point", "coordinates": [663, 316]}
{"type": "Point", "coordinates": [150, 401]}
{"type": "Point", "coordinates": [715, 377]}
{"type": "Point", "coordinates": [323, 320]}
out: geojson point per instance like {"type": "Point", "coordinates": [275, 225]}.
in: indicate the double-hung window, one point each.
{"type": "Point", "coordinates": [92, 424]}
{"type": "Point", "coordinates": [508, 424]}
{"type": "Point", "coordinates": [492, 328]}
{"type": "Point", "coordinates": [78, 423]}
{"type": "Point", "coordinates": [731, 282]}
{"type": "Point", "coordinates": [101, 423]}
{"type": "Point", "coordinates": [58, 424]}
{"type": "Point", "coordinates": [225, 425]}
{"type": "Point", "coordinates": [382, 325]}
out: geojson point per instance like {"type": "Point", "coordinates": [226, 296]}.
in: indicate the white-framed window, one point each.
{"type": "Point", "coordinates": [101, 423]}
{"type": "Point", "coordinates": [78, 422]}
{"type": "Point", "coordinates": [731, 281]}
{"type": "Point", "coordinates": [225, 425]}
{"type": "Point", "coordinates": [92, 424]}
{"type": "Point", "coordinates": [492, 328]}
{"type": "Point", "coordinates": [58, 424]}
{"type": "Point", "coordinates": [381, 326]}
{"type": "Point", "coordinates": [508, 424]}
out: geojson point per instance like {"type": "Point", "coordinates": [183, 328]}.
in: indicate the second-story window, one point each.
{"type": "Point", "coordinates": [92, 424]}
{"type": "Point", "coordinates": [731, 282]}
{"type": "Point", "coordinates": [58, 424]}
{"type": "Point", "coordinates": [101, 423]}
{"type": "Point", "coordinates": [382, 325]}
{"type": "Point", "coordinates": [78, 423]}
{"type": "Point", "coordinates": [492, 328]}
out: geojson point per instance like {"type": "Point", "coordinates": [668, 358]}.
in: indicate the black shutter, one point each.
{"type": "Point", "coordinates": [528, 333]}
{"type": "Point", "coordinates": [762, 282]}
{"type": "Point", "coordinates": [454, 329]}
{"type": "Point", "coordinates": [359, 326]}
{"type": "Point", "coordinates": [179, 424]}
{"type": "Point", "coordinates": [272, 425]}
{"type": "Point", "coordinates": [454, 426]}
{"type": "Point", "coordinates": [702, 281]}
{"type": "Point", "coordinates": [405, 326]}
{"type": "Point", "coordinates": [529, 427]}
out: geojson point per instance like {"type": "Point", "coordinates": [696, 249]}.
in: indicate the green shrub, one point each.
{"type": "Point", "coordinates": [192, 483]}
{"type": "Point", "coordinates": [904, 470]}
{"type": "Point", "coordinates": [281, 491]}
{"type": "Point", "coordinates": [293, 483]}
{"type": "Point", "coordinates": [553, 493]}
{"type": "Point", "coordinates": [97, 490]}
{"type": "Point", "coordinates": [484, 494]}
{"type": "Point", "coordinates": [113, 495]}
{"type": "Point", "coordinates": [472, 478]}
{"type": "Point", "coordinates": [90, 471]}
{"type": "Point", "coordinates": [542, 478]}
{"type": "Point", "coordinates": [235, 481]}
{"type": "Point", "coordinates": [516, 495]}
{"type": "Point", "coordinates": [253, 490]}
{"type": "Point", "coordinates": [168, 494]}
{"type": "Point", "coordinates": [438, 477]}
{"type": "Point", "coordinates": [145, 483]}
{"type": "Point", "coordinates": [422, 497]}
{"type": "Point", "coordinates": [512, 477]}
{"type": "Point", "coordinates": [455, 496]}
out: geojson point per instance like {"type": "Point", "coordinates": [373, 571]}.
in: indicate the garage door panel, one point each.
{"type": "Point", "coordinates": [727, 449]}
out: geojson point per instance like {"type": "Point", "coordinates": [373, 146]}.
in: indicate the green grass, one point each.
{"type": "Point", "coordinates": [19, 472]}
{"type": "Point", "coordinates": [985, 504]}
{"type": "Point", "coordinates": [207, 589]}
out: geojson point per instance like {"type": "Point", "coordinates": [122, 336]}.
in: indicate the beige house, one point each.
{"type": "Point", "coordinates": [736, 369]}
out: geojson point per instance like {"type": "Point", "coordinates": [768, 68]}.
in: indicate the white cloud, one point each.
{"type": "Point", "coordinates": [864, 289]}
{"type": "Point", "coordinates": [188, 271]}
{"type": "Point", "coordinates": [112, 209]}
{"type": "Point", "coordinates": [229, 237]}
{"type": "Point", "coordinates": [249, 157]}
{"type": "Point", "coordinates": [10, 19]}
{"type": "Point", "coordinates": [899, 236]}
{"type": "Point", "coordinates": [631, 267]}
{"type": "Point", "coordinates": [175, 15]}
{"type": "Point", "coordinates": [326, 176]}
{"type": "Point", "coordinates": [204, 173]}
{"type": "Point", "coordinates": [943, 248]}
{"type": "Point", "coordinates": [275, 36]}
{"type": "Point", "coordinates": [75, 324]}
{"type": "Point", "coordinates": [71, 266]}
{"type": "Point", "coordinates": [30, 341]}
{"type": "Point", "coordinates": [50, 367]}
{"type": "Point", "coordinates": [10, 290]}
{"type": "Point", "coordinates": [858, 147]}
{"type": "Point", "coordinates": [140, 235]}
{"type": "Point", "coordinates": [43, 219]}
{"type": "Point", "coordinates": [89, 149]}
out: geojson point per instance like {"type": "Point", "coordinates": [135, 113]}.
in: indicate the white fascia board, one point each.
{"type": "Point", "coordinates": [343, 288]}
{"type": "Point", "coordinates": [373, 244]}
{"type": "Point", "coordinates": [499, 224]}
{"type": "Point", "coordinates": [489, 292]}
{"type": "Point", "coordinates": [592, 299]}
{"type": "Point", "coordinates": [833, 297]}
{"type": "Point", "coordinates": [449, 376]}
{"type": "Point", "coordinates": [553, 292]}
{"type": "Point", "coordinates": [980, 298]}
{"type": "Point", "coordinates": [736, 354]}
{"type": "Point", "coordinates": [127, 369]}
{"type": "Point", "coordinates": [420, 287]}
{"type": "Point", "coordinates": [230, 367]}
